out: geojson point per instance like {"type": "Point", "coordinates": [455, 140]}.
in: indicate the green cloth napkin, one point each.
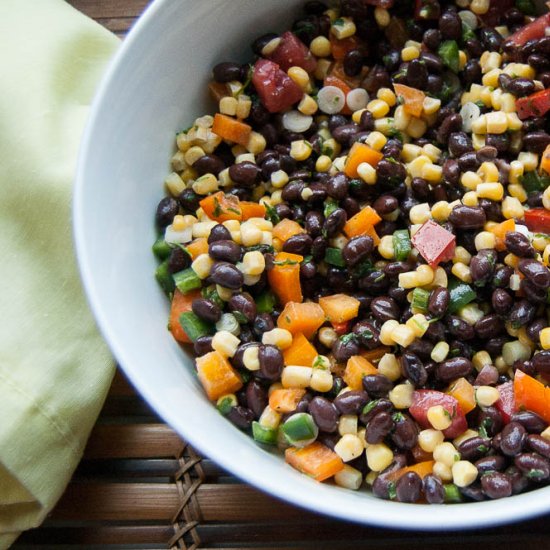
{"type": "Point", "coordinates": [55, 369]}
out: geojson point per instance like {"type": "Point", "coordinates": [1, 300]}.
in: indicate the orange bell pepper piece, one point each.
{"type": "Point", "coordinates": [221, 207]}
{"type": "Point", "coordinates": [464, 393]}
{"type": "Point", "coordinates": [197, 247]}
{"type": "Point", "coordinates": [284, 278]}
{"type": "Point", "coordinates": [499, 231]}
{"type": "Point", "coordinates": [286, 400]}
{"type": "Point", "coordinates": [421, 468]}
{"type": "Point", "coordinates": [413, 99]}
{"type": "Point", "coordinates": [304, 317]}
{"type": "Point", "coordinates": [315, 460]}
{"type": "Point", "coordinates": [545, 160]}
{"type": "Point", "coordinates": [252, 210]}
{"type": "Point", "coordinates": [363, 224]}
{"type": "Point", "coordinates": [231, 129]}
{"type": "Point", "coordinates": [217, 375]}
{"type": "Point", "coordinates": [339, 308]}
{"type": "Point", "coordinates": [301, 352]}
{"type": "Point", "coordinates": [358, 367]}
{"type": "Point", "coordinates": [180, 304]}
{"type": "Point", "coordinates": [531, 395]}
{"type": "Point", "coordinates": [359, 153]}
{"type": "Point", "coordinates": [287, 228]}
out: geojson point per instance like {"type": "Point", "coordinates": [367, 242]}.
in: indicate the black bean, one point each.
{"type": "Point", "coordinates": [520, 87]}
{"type": "Point", "coordinates": [488, 376]}
{"type": "Point", "coordinates": [405, 432]}
{"type": "Point", "coordinates": [522, 313]}
{"type": "Point", "coordinates": [226, 274]}
{"type": "Point", "coordinates": [421, 348]}
{"type": "Point", "coordinates": [482, 266]}
{"type": "Point", "coordinates": [209, 164]}
{"type": "Point", "coordinates": [245, 173]}
{"type": "Point", "coordinates": [534, 294]}
{"type": "Point", "coordinates": [271, 362]}
{"type": "Point", "coordinates": [432, 61]}
{"type": "Point", "coordinates": [377, 78]}
{"type": "Point", "coordinates": [367, 334]}
{"type": "Point", "coordinates": [533, 330]}
{"type": "Point", "coordinates": [467, 217]}
{"type": "Point", "coordinates": [263, 322]}
{"type": "Point", "coordinates": [502, 276]}
{"type": "Point", "coordinates": [501, 142]}
{"type": "Point", "coordinates": [366, 122]}
{"type": "Point", "coordinates": [298, 244]}
{"type": "Point", "coordinates": [473, 492]}
{"type": "Point", "coordinates": [393, 269]}
{"type": "Point", "coordinates": [351, 402]}
{"type": "Point", "coordinates": [385, 204]}
{"type": "Point", "coordinates": [486, 154]}
{"type": "Point", "coordinates": [491, 463]}
{"type": "Point", "coordinates": [450, 25]}
{"type": "Point", "coordinates": [353, 62]}
{"type": "Point", "coordinates": [373, 408]}
{"type": "Point", "coordinates": [379, 427]}
{"type": "Point", "coordinates": [345, 135]}
{"type": "Point", "coordinates": [519, 481]}
{"type": "Point", "coordinates": [541, 362]}
{"type": "Point", "coordinates": [539, 62]}
{"type": "Point", "coordinates": [539, 445]}
{"type": "Point", "coordinates": [459, 143]}
{"type": "Point", "coordinates": [473, 448]}
{"type": "Point", "coordinates": [318, 248]}
{"type": "Point", "coordinates": [256, 398]}
{"type": "Point", "coordinates": [454, 368]}
{"type": "Point", "coordinates": [220, 233]}
{"type": "Point", "coordinates": [375, 282]}
{"type": "Point", "coordinates": [536, 142]}
{"type": "Point", "coordinates": [357, 249]}
{"type": "Point", "coordinates": [189, 200]}
{"type": "Point", "coordinates": [377, 385]}
{"type": "Point", "coordinates": [496, 485]}
{"type": "Point", "coordinates": [166, 210]}
{"type": "Point", "coordinates": [451, 172]}
{"type": "Point", "coordinates": [490, 39]}
{"type": "Point", "coordinates": [242, 417]}
{"type": "Point", "coordinates": [178, 260]}
{"type": "Point", "coordinates": [335, 222]}
{"type": "Point", "coordinates": [533, 466]}
{"type": "Point", "coordinates": [471, 72]}
{"type": "Point", "coordinates": [243, 305]}
{"type": "Point", "coordinates": [501, 301]}
{"type": "Point", "coordinates": [225, 250]}
{"type": "Point", "coordinates": [338, 185]}
{"type": "Point", "coordinates": [517, 243]}
{"type": "Point", "coordinates": [451, 123]}
{"type": "Point", "coordinates": [308, 270]}
{"type": "Point", "coordinates": [435, 332]}
{"type": "Point", "coordinates": [473, 47]}
{"type": "Point", "coordinates": [513, 436]}
{"type": "Point", "coordinates": [390, 171]}
{"type": "Point", "coordinates": [434, 84]}
{"type": "Point", "coordinates": [384, 308]}
{"type": "Point", "coordinates": [433, 489]}
{"type": "Point", "coordinates": [343, 349]}
{"type": "Point", "coordinates": [536, 272]}
{"type": "Point", "coordinates": [469, 162]}
{"type": "Point", "coordinates": [203, 345]}
{"type": "Point", "coordinates": [438, 301]}
{"type": "Point", "coordinates": [207, 310]}
{"type": "Point", "coordinates": [413, 369]}
{"type": "Point", "coordinates": [460, 348]}
{"type": "Point", "coordinates": [460, 328]}
{"type": "Point", "coordinates": [489, 326]}
{"type": "Point", "coordinates": [417, 74]}
{"type": "Point", "coordinates": [525, 366]}
{"type": "Point", "coordinates": [408, 487]}
{"type": "Point", "coordinates": [226, 72]}
{"type": "Point", "coordinates": [260, 42]}
{"type": "Point", "coordinates": [324, 414]}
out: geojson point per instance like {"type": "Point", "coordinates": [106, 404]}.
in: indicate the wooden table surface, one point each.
{"type": "Point", "coordinates": [140, 486]}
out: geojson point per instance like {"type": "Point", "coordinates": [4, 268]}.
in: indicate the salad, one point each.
{"type": "Point", "coordinates": [356, 243]}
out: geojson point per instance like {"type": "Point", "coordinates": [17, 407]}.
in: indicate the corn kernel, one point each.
{"type": "Point", "coordinates": [511, 260]}
{"type": "Point", "coordinates": [389, 367]}
{"type": "Point", "coordinates": [507, 103]}
{"type": "Point", "coordinates": [379, 456]}
{"type": "Point", "coordinates": [343, 27]}
{"type": "Point", "coordinates": [429, 439]}
{"type": "Point", "coordinates": [381, 16]}
{"type": "Point", "coordinates": [269, 417]}
{"type": "Point", "coordinates": [299, 76]}
{"type": "Point", "coordinates": [470, 198]}
{"type": "Point", "coordinates": [409, 279]}
{"type": "Point", "coordinates": [545, 338]}
{"type": "Point", "coordinates": [387, 95]}
{"type": "Point", "coordinates": [464, 472]}
{"type": "Point", "coordinates": [431, 105]}
{"type": "Point", "coordinates": [321, 380]}
{"type": "Point", "coordinates": [349, 478]}
{"type": "Point", "coordinates": [530, 161]}
{"type": "Point", "coordinates": [401, 118]}
{"type": "Point", "coordinates": [512, 208]}
{"type": "Point", "coordinates": [386, 332]}
{"type": "Point", "coordinates": [347, 424]}
{"type": "Point", "coordinates": [193, 154]}
{"type": "Point", "coordinates": [327, 336]}
{"type": "Point", "coordinates": [251, 359]}
{"type": "Point", "coordinates": [174, 184]}
{"type": "Point", "coordinates": [225, 294]}
{"type": "Point", "coordinates": [416, 127]}
{"type": "Point", "coordinates": [401, 396]}
{"type": "Point", "coordinates": [517, 191]}
{"type": "Point", "coordinates": [462, 272]}
{"type": "Point", "coordinates": [470, 180]}
{"type": "Point", "coordinates": [322, 69]}
{"type": "Point", "coordinates": [415, 166]}
{"type": "Point", "coordinates": [446, 453]}
{"type": "Point", "coordinates": [418, 324]}
{"type": "Point", "coordinates": [225, 343]}
{"type": "Point", "coordinates": [432, 152]}
{"type": "Point", "coordinates": [378, 108]}
{"type": "Point", "coordinates": [244, 104]}
{"type": "Point", "coordinates": [410, 152]}
{"type": "Point", "coordinates": [442, 471]}
{"type": "Point", "coordinates": [491, 191]}
{"type": "Point", "coordinates": [320, 46]}
{"type": "Point", "coordinates": [484, 239]}
{"type": "Point", "coordinates": [278, 337]}
{"type": "Point", "coordinates": [491, 79]}
{"type": "Point", "coordinates": [420, 213]}
{"type": "Point", "coordinates": [440, 352]}
{"type": "Point", "coordinates": [403, 335]}
{"type": "Point", "coordinates": [522, 70]}
{"type": "Point", "coordinates": [497, 122]}
{"type": "Point", "coordinates": [546, 198]}
{"type": "Point", "coordinates": [271, 46]}
{"type": "Point", "coordinates": [479, 125]}
{"type": "Point", "coordinates": [514, 122]}
{"type": "Point", "coordinates": [256, 143]}
{"type": "Point", "coordinates": [376, 140]}
{"type": "Point", "coordinates": [202, 265]}
{"type": "Point", "coordinates": [546, 434]}
{"type": "Point", "coordinates": [251, 235]}
{"type": "Point", "coordinates": [279, 179]}
{"type": "Point", "coordinates": [462, 59]}
{"type": "Point", "coordinates": [300, 150]}
{"type": "Point", "coordinates": [480, 7]}
{"type": "Point", "coordinates": [385, 247]}
{"type": "Point", "coordinates": [486, 396]}
{"type": "Point", "coordinates": [439, 418]}
{"type": "Point", "coordinates": [323, 163]}
{"type": "Point", "coordinates": [307, 106]}
{"type": "Point", "coordinates": [296, 377]}
{"type": "Point", "coordinates": [410, 53]}
{"type": "Point", "coordinates": [425, 274]}
{"type": "Point", "coordinates": [432, 173]}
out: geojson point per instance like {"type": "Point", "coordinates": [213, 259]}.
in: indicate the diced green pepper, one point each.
{"type": "Point", "coordinates": [187, 280]}
{"type": "Point", "coordinates": [330, 206]}
{"type": "Point", "coordinates": [300, 429]}
{"type": "Point", "coordinates": [161, 249]}
{"type": "Point", "coordinates": [265, 302]}
{"type": "Point", "coordinates": [225, 403]}
{"type": "Point", "coordinates": [452, 494]}
{"type": "Point", "coordinates": [420, 299]}
{"type": "Point", "coordinates": [533, 182]}
{"type": "Point", "coordinates": [461, 295]}
{"type": "Point", "coordinates": [164, 277]}
{"type": "Point", "coordinates": [401, 244]}
{"type": "Point", "coordinates": [333, 256]}
{"type": "Point", "coordinates": [467, 32]}
{"type": "Point", "coordinates": [448, 52]}
{"type": "Point", "coordinates": [194, 326]}
{"type": "Point", "coordinates": [268, 436]}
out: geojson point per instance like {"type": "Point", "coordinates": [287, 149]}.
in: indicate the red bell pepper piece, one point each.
{"type": "Point", "coordinates": [434, 243]}
{"type": "Point", "coordinates": [276, 89]}
{"type": "Point", "coordinates": [538, 220]}
{"type": "Point", "coordinates": [292, 52]}
{"type": "Point", "coordinates": [536, 29]}
{"type": "Point", "coordinates": [537, 104]}
{"type": "Point", "coordinates": [506, 404]}
{"type": "Point", "coordinates": [423, 400]}
{"type": "Point", "coordinates": [341, 328]}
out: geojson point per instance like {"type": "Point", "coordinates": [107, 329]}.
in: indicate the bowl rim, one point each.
{"type": "Point", "coordinates": [376, 513]}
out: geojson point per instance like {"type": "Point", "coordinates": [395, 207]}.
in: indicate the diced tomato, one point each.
{"type": "Point", "coordinates": [427, 9]}
{"type": "Point", "coordinates": [276, 89]}
{"type": "Point", "coordinates": [434, 243]}
{"type": "Point", "coordinates": [506, 404]}
{"type": "Point", "coordinates": [341, 328]}
{"type": "Point", "coordinates": [538, 220]}
{"type": "Point", "coordinates": [423, 400]}
{"type": "Point", "coordinates": [536, 29]}
{"type": "Point", "coordinates": [537, 104]}
{"type": "Point", "coordinates": [292, 52]}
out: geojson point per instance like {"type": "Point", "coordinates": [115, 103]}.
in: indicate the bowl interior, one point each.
{"type": "Point", "coordinates": [156, 86]}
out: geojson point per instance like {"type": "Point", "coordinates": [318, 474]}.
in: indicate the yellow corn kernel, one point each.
{"type": "Point", "coordinates": [470, 198]}
{"type": "Point", "coordinates": [431, 105]}
{"type": "Point", "coordinates": [480, 7]}
{"type": "Point", "coordinates": [432, 173]}
{"type": "Point", "coordinates": [446, 453]}
{"type": "Point", "coordinates": [300, 77]}
{"type": "Point", "coordinates": [174, 184]}
{"type": "Point", "coordinates": [489, 61]}
{"type": "Point", "coordinates": [300, 150]}
{"type": "Point", "coordinates": [491, 191]}
{"type": "Point", "coordinates": [205, 184]}
{"type": "Point", "coordinates": [497, 122]}
{"type": "Point", "coordinates": [343, 27]}
{"type": "Point", "coordinates": [376, 140]}
{"type": "Point", "coordinates": [429, 439]}
{"type": "Point", "coordinates": [420, 213]}
{"type": "Point", "coordinates": [367, 173]}
{"type": "Point", "coordinates": [349, 478]}
{"type": "Point", "coordinates": [416, 128]}
{"type": "Point", "coordinates": [401, 118]}
{"type": "Point", "coordinates": [462, 272]}
{"type": "Point", "coordinates": [379, 456]}
{"type": "Point", "coordinates": [507, 103]}
{"type": "Point", "coordinates": [251, 235]}
{"type": "Point", "coordinates": [545, 338]}
{"type": "Point", "coordinates": [441, 211]}
{"type": "Point", "coordinates": [387, 95]}
{"type": "Point", "coordinates": [409, 53]}
{"type": "Point", "coordinates": [378, 108]}
{"type": "Point", "coordinates": [409, 279]}
{"type": "Point", "coordinates": [478, 141]}
{"type": "Point", "coordinates": [514, 122]}
{"type": "Point", "coordinates": [411, 152]}
{"type": "Point", "coordinates": [256, 143]}
{"type": "Point", "coordinates": [462, 255]}
{"type": "Point", "coordinates": [491, 78]}
{"type": "Point", "coordinates": [485, 239]}
{"type": "Point", "coordinates": [228, 106]}
{"type": "Point", "coordinates": [418, 324]}
{"type": "Point", "coordinates": [356, 116]}
{"type": "Point", "coordinates": [384, 125]}
{"type": "Point", "coordinates": [486, 396]}
{"type": "Point", "coordinates": [440, 352]}
{"type": "Point", "coordinates": [193, 154]}
{"type": "Point", "coordinates": [323, 163]}
{"type": "Point", "coordinates": [439, 418]}
{"type": "Point", "coordinates": [307, 105]}
{"type": "Point", "coordinates": [389, 367]}
{"type": "Point", "coordinates": [530, 161]}
{"type": "Point", "coordinates": [322, 69]}
{"type": "Point", "coordinates": [488, 172]}
{"type": "Point", "coordinates": [320, 46]}
{"type": "Point", "coordinates": [244, 104]}
{"type": "Point", "coordinates": [516, 190]}
{"type": "Point", "coordinates": [382, 16]}
{"type": "Point", "coordinates": [470, 180]}
{"type": "Point", "coordinates": [202, 265]}
{"type": "Point", "coordinates": [464, 472]}
{"type": "Point", "coordinates": [321, 380]}
{"type": "Point", "coordinates": [522, 70]}
{"type": "Point", "coordinates": [415, 166]}
{"type": "Point", "coordinates": [401, 396]}
{"type": "Point", "coordinates": [481, 359]}
{"type": "Point", "coordinates": [327, 336]}
{"type": "Point", "coordinates": [347, 424]}
{"type": "Point", "coordinates": [462, 59]}
{"type": "Point", "coordinates": [442, 471]}
{"type": "Point", "coordinates": [279, 179]}
{"type": "Point", "coordinates": [296, 377]}
{"type": "Point", "coordinates": [479, 125]}
{"type": "Point", "coordinates": [485, 96]}
{"type": "Point", "coordinates": [386, 332]}
{"type": "Point", "coordinates": [546, 198]}
{"type": "Point", "coordinates": [403, 335]}
{"type": "Point", "coordinates": [225, 343]}
{"type": "Point", "coordinates": [432, 152]}
{"type": "Point", "coordinates": [512, 208]}
{"type": "Point", "coordinates": [385, 247]}
{"type": "Point", "coordinates": [516, 171]}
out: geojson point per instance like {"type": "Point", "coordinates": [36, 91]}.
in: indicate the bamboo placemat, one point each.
{"type": "Point", "coordinates": [140, 486]}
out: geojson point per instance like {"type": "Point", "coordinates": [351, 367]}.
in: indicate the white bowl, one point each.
{"type": "Point", "coordinates": [155, 86]}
